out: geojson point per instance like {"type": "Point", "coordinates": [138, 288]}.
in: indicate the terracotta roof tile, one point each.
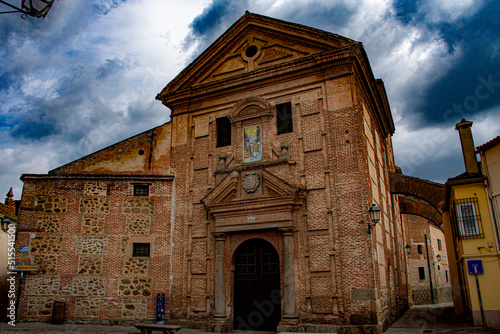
{"type": "Point", "coordinates": [488, 145]}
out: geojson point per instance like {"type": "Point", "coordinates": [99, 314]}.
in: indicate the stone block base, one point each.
{"type": "Point", "coordinates": [220, 326]}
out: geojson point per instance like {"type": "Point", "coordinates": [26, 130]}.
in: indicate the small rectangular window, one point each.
{"type": "Point", "coordinates": [420, 249]}
{"type": "Point", "coordinates": [223, 131]}
{"type": "Point", "coordinates": [421, 272]}
{"type": "Point", "coordinates": [140, 249]}
{"type": "Point", "coordinates": [284, 120]}
{"type": "Point", "coordinates": [440, 246]}
{"type": "Point", "coordinates": [141, 189]}
{"type": "Point", "coordinates": [446, 274]}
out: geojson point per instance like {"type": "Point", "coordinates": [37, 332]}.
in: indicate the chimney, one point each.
{"type": "Point", "coordinates": [468, 148]}
{"type": "Point", "coordinates": [8, 199]}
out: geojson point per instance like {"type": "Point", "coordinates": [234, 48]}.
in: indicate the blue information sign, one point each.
{"type": "Point", "coordinates": [475, 267]}
{"type": "Point", "coordinates": [24, 249]}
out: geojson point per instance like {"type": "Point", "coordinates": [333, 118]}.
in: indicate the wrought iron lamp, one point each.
{"type": "Point", "coordinates": [33, 8]}
{"type": "Point", "coordinates": [374, 213]}
{"type": "Point", "coordinates": [5, 224]}
{"type": "Point", "coordinates": [439, 257]}
{"type": "Point", "coordinates": [408, 249]}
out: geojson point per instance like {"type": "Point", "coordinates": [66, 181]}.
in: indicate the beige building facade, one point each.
{"type": "Point", "coordinates": [428, 252]}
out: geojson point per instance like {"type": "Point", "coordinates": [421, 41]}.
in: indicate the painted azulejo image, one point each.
{"type": "Point", "coordinates": [252, 143]}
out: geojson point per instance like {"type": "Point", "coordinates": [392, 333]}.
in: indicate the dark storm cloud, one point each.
{"type": "Point", "coordinates": [212, 16]}
{"type": "Point", "coordinates": [58, 85]}
{"type": "Point", "coordinates": [75, 101]}
{"type": "Point", "coordinates": [212, 22]}
{"type": "Point", "coordinates": [472, 85]}
{"type": "Point", "coordinates": [328, 16]}
{"type": "Point", "coordinates": [406, 11]}
{"type": "Point", "coordinates": [218, 16]}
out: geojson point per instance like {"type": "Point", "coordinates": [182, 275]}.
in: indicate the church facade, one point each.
{"type": "Point", "coordinates": [248, 210]}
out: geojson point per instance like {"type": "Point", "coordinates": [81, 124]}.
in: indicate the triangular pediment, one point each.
{"type": "Point", "coordinates": [225, 191]}
{"type": "Point", "coordinates": [254, 42]}
{"type": "Point", "coordinates": [229, 189]}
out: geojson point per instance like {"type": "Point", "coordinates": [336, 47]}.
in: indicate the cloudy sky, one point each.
{"type": "Point", "coordinates": [86, 76]}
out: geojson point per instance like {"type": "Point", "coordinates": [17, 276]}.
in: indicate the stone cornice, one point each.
{"type": "Point", "coordinates": [98, 177]}
{"type": "Point", "coordinates": [306, 66]}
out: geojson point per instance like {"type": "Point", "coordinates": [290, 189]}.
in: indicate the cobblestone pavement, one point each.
{"type": "Point", "coordinates": [439, 318]}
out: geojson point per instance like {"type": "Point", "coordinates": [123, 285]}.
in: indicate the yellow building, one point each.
{"type": "Point", "coordinates": [470, 222]}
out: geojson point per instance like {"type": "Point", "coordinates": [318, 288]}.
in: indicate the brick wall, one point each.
{"type": "Point", "coordinates": [80, 231]}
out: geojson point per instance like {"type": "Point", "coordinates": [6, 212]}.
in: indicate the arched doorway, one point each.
{"type": "Point", "coordinates": [257, 293]}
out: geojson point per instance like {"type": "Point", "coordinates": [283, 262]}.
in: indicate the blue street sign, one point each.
{"type": "Point", "coordinates": [475, 267]}
{"type": "Point", "coordinates": [24, 249]}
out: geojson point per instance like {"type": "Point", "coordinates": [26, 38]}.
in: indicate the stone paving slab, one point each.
{"type": "Point", "coordinates": [434, 319]}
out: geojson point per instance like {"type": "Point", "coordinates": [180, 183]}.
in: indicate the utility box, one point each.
{"type": "Point", "coordinates": [58, 313]}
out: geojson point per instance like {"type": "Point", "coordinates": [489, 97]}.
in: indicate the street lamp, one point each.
{"type": "Point", "coordinates": [408, 249]}
{"type": "Point", "coordinates": [439, 258]}
{"type": "Point", "coordinates": [33, 8]}
{"type": "Point", "coordinates": [374, 213]}
{"type": "Point", "coordinates": [5, 224]}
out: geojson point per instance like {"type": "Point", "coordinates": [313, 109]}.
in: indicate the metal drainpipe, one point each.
{"type": "Point", "coordinates": [429, 266]}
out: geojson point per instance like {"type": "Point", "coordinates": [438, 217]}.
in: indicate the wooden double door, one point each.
{"type": "Point", "coordinates": [257, 293]}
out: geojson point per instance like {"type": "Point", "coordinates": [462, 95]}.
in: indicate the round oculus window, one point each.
{"type": "Point", "coordinates": [251, 51]}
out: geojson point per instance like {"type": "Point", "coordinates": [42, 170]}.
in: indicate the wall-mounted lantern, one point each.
{"type": "Point", "coordinates": [374, 214]}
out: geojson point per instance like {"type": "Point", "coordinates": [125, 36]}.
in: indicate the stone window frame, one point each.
{"type": "Point", "coordinates": [129, 251]}
{"type": "Point", "coordinates": [251, 111]}
{"type": "Point", "coordinates": [141, 247]}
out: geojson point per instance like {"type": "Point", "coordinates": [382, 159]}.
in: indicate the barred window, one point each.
{"type": "Point", "coordinates": [468, 219]}
{"type": "Point", "coordinates": [140, 249]}
{"type": "Point", "coordinates": [141, 189]}
{"type": "Point", "coordinates": [284, 120]}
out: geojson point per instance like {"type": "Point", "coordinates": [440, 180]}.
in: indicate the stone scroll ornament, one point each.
{"type": "Point", "coordinates": [250, 182]}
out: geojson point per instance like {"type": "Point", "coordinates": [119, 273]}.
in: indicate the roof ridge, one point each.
{"type": "Point", "coordinates": [488, 144]}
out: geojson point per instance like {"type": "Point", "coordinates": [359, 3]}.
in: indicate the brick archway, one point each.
{"type": "Point", "coordinates": [413, 207]}
{"type": "Point", "coordinates": [431, 193]}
